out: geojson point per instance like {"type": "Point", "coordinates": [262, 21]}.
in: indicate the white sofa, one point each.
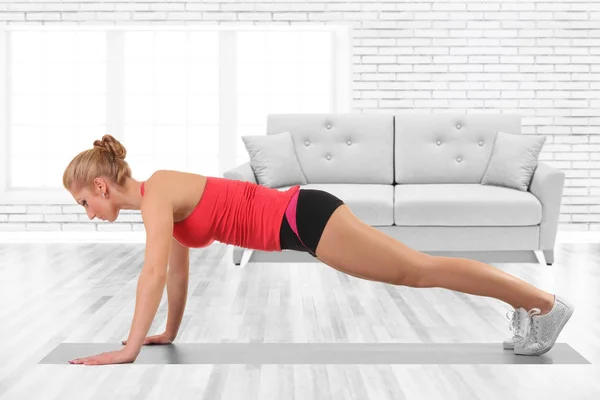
{"type": "Point", "coordinates": [417, 177]}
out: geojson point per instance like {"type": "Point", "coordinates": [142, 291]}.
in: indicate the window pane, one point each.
{"type": "Point", "coordinates": [139, 139]}
{"type": "Point", "coordinates": [170, 108]}
{"type": "Point", "coordinates": [315, 103]}
{"type": "Point", "coordinates": [281, 104]}
{"type": "Point", "coordinates": [203, 139]}
{"type": "Point", "coordinates": [54, 168]}
{"type": "Point", "coordinates": [138, 46]}
{"type": "Point", "coordinates": [55, 138]}
{"type": "Point", "coordinates": [26, 141]}
{"type": "Point", "coordinates": [138, 78]}
{"type": "Point", "coordinates": [251, 77]}
{"type": "Point", "coordinates": [315, 78]}
{"type": "Point", "coordinates": [203, 109]}
{"type": "Point", "coordinates": [90, 109]}
{"type": "Point", "coordinates": [60, 108]}
{"type": "Point", "coordinates": [85, 135]}
{"type": "Point", "coordinates": [315, 46]}
{"type": "Point", "coordinates": [282, 46]}
{"type": "Point", "coordinates": [90, 77]}
{"type": "Point", "coordinates": [60, 77]}
{"type": "Point", "coordinates": [204, 78]}
{"type": "Point", "coordinates": [26, 77]}
{"type": "Point", "coordinates": [142, 166]}
{"type": "Point", "coordinates": [26, 109]}
{"type": "Point", "coordinates": [251, 46]}
{"type": "Point", "coordinates": [139, 109]}
{"type": "Point", "coordinates": [203, 47]}
{"type": "Point", "coordinates": [251, 109]}
{"type": "Point", "coordinates": [90, 47]}
{"type": "Point", "coordinates": [26, 47]}
{"type": "Point", "coordinates": [170, 46]}
{"type": "Point", "coordinates": [26, 171]}
{"type": "Point", "coordinates": [170, 77]}
{"type": "Point", "coordinates": [170, 140]}
{"type": "Point", "coordinates": [59, 46]}
{"type": "Point", "coordinates": [283, 78]}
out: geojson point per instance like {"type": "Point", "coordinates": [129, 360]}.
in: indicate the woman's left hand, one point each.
{"type": "Point", "coordinates": [113, 357]}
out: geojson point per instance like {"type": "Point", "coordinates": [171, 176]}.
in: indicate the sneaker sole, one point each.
{"type": "Point", "coordinates": [508, 346]}
{"type": "Point", "coordinates": [511, 346]}
{"type": "Point", "coordinates": [567, 317]}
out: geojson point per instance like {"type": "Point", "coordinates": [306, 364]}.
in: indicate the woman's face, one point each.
{"type": "Point", "coordinates": [95, 205]}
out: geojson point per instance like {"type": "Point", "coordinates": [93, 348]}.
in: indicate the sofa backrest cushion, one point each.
{"type": "Point", "coordinates": [447, 148]}
{"type": "Point", "coordinates": [340, 147]}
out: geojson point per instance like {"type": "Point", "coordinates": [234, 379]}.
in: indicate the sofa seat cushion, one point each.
{"type": "Point", "coordinates": [466, 204]}
{"type": "Point", "coordinates": [372, 203]}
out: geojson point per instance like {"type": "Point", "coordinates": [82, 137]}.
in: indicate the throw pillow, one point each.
{"type": "Point", "coordinates": [513, 161]}
{"type": "Point", "coordinates": [274, 161]}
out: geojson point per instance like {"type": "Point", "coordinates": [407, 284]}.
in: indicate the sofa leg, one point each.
{"type": "Point", "coordinates": [549, 256]}
{"type": "Point", "coordinates": [238, 253]}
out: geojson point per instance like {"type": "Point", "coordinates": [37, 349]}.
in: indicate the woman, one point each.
{"type": "Point", "coordinates": [182, 210]}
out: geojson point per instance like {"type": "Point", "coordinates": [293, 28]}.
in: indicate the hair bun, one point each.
{"type": "Point", "coordinates": [112, 145]}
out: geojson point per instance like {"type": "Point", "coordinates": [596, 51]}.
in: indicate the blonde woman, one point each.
{"type": "Point", "coordinates": [182, 210]}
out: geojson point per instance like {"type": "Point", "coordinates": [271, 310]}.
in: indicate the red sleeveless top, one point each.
{"type": "Point", "coordinates": [239, 213]}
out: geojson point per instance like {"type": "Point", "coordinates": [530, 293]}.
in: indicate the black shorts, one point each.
{"type": "Point", "coordinates": [313, 210]}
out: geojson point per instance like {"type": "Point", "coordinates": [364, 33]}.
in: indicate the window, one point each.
{"type": "Point", "coordinates": [177, 97]}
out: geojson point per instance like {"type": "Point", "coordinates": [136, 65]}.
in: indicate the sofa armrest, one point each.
{"type": "Point", "coordinates": [242, 172]}
{"type": "Point", "coordinates": [547, 185]}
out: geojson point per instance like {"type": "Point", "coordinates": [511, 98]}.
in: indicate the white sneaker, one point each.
{"type": "Point", "coordinates": [544, 329]}
{"type": "Point", "coordinates": [519, 324]}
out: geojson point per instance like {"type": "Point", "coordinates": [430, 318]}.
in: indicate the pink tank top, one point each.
{"type": "Point", "coordinates": [239, 213]}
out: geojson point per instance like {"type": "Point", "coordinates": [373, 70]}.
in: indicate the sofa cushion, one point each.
{"type": "Point", "coordinates": [464, 205]}
{"type": "Point", "coordinates": [340, 148]}
{"type": "Point", "coordinates": [447, 148]}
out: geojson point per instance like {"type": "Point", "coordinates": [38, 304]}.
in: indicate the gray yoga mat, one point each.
{"type": "Point", "coordinates": [320, 353]}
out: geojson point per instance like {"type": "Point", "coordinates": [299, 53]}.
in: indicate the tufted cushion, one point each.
{"type": "Point", "coordinates": [340, 148]}
{"type": "Point", "coordinates": [514, 160]}
{"type": "Point", "coordinates": [273, 160]}
{"type": "Point", "coordinates": [447, 148]}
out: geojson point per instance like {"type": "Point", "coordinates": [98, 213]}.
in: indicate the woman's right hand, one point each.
{"type": "Point", "coordinates": [163, 338]}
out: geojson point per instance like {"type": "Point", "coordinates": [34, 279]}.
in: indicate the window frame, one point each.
{"type": "Point", "coordinates": [342, 92]}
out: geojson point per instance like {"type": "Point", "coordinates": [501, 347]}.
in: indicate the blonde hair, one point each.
{"type": "Point", "coordinates": [106, 158]}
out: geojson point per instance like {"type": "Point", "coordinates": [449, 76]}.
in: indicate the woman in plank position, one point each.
{"type": "Point", "coordinates": [182, 210]}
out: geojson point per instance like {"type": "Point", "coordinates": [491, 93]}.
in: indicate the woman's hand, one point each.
{"type": "Point", "coordinates": [114, 357]}
{"type": "Point", "coordinates": [163, 338]}
{"type": "Point", "coordinates": [122, 356]}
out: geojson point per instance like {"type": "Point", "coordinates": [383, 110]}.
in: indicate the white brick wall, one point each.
{"type": "Point", "coordinates": [539, 59]}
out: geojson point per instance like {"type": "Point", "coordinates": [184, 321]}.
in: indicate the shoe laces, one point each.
{"type": "Point", "coordinates": [532, 336]}
{"type": "Point", "coordinates": [515, 322]}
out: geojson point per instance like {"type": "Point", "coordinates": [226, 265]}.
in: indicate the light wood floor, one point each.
{"type": "Point", "coordinates": [55, 293]}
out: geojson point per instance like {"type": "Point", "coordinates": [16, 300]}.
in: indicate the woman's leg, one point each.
{"type": "Point", "coordinates": [475, 277]}
{"type": "Point", "coordinates": [356, 248]}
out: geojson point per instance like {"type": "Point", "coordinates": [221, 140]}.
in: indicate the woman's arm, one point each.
{"type": "Point", "coordinates": [177, 286]}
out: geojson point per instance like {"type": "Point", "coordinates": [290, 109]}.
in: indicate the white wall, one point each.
{"type": "Point", "coordinates": [539, 59]}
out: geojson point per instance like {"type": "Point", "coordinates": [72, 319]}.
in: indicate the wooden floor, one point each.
{"type": "Point", "coordinates": [55, 293]}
